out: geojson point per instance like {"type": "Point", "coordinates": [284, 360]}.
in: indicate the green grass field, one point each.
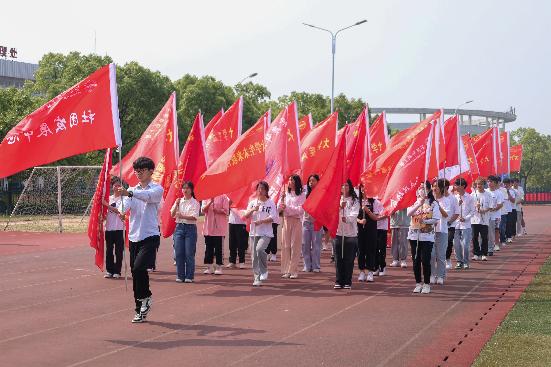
{"type": "Point", "coordinates": [524, 337]}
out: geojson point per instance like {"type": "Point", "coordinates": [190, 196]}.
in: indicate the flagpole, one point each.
{"type": "Point", "coordinates": [124, 225]}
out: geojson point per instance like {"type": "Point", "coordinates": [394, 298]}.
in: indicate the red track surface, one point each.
{"type": "Point", "coordinates": [57, 310]}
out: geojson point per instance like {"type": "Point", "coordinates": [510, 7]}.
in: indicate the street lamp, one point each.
{"type": "Point", "coordinates": [248, 77]}
{"type": "Point", "coordinates": [461, 105]}
{"type": "Point", "coordinates": [333, 45]}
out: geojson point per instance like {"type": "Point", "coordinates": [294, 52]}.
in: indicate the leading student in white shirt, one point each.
{"type": "Point", "coordinates": [143, 202]}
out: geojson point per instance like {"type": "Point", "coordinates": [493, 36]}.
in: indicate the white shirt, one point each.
{"type": "Point", "coordinates": [235, 216]}
{"type": "Point", "coordinates": [507, 204]}
{"type": "Point", "coordinates": [350, 213]}
{"type": "Point", "coordinates": [113, 222]}
{"type": "Point", "coordinates": [190, 208]}
{"type": "Point", "coordinates": [266, 209]}
{"type": "Point", "coordinates": [466, 209]}
{"type": "Point", "coordinates": [445, 203]}
{"type": "Point", "coordinates": [426, 209]}
{"type": "Point", "coordinates": [497, 198]}
{"type": "Point", "coordinates": [144, 211]}
{"type": "Point", "coordinates": [520, 197]}
{"type": "Point", "coordinates": [485, 201]}
{"type": "Point", "coordinates": [454, 209]}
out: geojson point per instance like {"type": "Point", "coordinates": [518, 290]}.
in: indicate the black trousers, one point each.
{"type": "Point", "coordinates": [420, 252]}
{"type": "Point", "coordinates": [511, 224]}
{"type": "Point", "coordinates": [238, 239]}
{"type": "Point", "coordinates": [213, 247]}
{"type": "Point", "coordinates": [142, 253]}
{"type": "Point", "coordinates": [344, 265]}
{"type": "Point", "coordinates": [482, 231]}
{"type": "Point", "coordinates": [114, 240]}
{"type": "Point", "coordinates": [367, 248]}
{"type": "Point", "coordinates": [380, 257]}
{"type": "Point", "coordinates": [451, 234]}
{"type": "Point", "coordinates": [272, 246]}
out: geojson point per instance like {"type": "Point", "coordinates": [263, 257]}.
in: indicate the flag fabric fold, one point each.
{"type": "Point", "coordinates": [378, 136]}
{"type": "Point", "coordinates": [192, 164]}
{"type": "Point", "coordinates": [456, 161]}
{"type": "Point", "coordinates": [98, 211]}
{"type": "Point", "coordinates": [317, 146]}
{"type": "Point", "coordinates": [516, 158]}
{"type": "Point", "coordinates": [84, 118]}
{"type": "Point", "coordinates": [158, 142]}
{"type": "Point", "coordinates": [221, 134]}
{"type": "Point", "coordinates": [305, 124]}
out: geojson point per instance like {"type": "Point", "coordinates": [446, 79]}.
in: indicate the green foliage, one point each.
{"type": "Point", "coordinates": [14, 105]}
{"type": "Point", "coordinates": [535, 165]}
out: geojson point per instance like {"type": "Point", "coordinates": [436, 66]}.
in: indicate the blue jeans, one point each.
{"type": "Point", "coordinates": [185, 244]}
{"type": "Point", "coordinates": [462, 245]}
{"type": "Point", "coordinates": [311, 246]}
{"type": "Point", "coordinates": [438, 255]}
{"type": "Point", "coordinates": [503, 229]}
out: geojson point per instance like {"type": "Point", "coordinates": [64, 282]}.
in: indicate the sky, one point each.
{"type": "Point", "coordinates": [433, 53]}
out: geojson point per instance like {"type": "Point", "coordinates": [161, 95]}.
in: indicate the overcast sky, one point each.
{"type": "Point", "coordinates": [435, 53]}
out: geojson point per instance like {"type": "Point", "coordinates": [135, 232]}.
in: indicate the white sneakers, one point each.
{"type": "Point", "coordinates": [509, 240]}
{"type": "Point", "coordinates": [264, 276]}
{"type": "Point", "coordinates": [241, 265]}
{"type": "Point", "coordinates": [448, 264]}
{"type": "Point", "coordinates": [394, 264]}
{"type": "Point", "coordinates": [230, 265]}
{"type": "Point", "coordinates": [484, 258]}
{"type": "Point", "coordinates": [432, 279]}
{"type": "Point", "coordinates": [316, 270]}
{"type": "Point", "coordinates": [108, 275]}
{"type": "Point", "coordinates": [403, 264]}
{"type": "Point", "coordinates": [439, 280]}
{"type": "Point", "coordinates": [369, 277]}
{"type": "Point", "coordinates": [382, 272]}
{"type": "Point", "coordinates": [361, 277]}
{"type": "Point", "coordinates": [257, 282]}
{"type": "Point", "coordinates": [426, 289]}
{"type": "Point", "coordinates": [178, 280]}
{"type": "Point", "coordinates": [496, 247]}
{"type": "Point", "coordinates": [218, 270]}
{"type": "Point", "coordinates": [476, 258]}
{"type": "Point", "coordinates": [293, 276]}
{"type": "Point", "coordinates": [376, 273]}
{"type": "Point", "coordinates": [418, 288]}
{"type": "Point", "coordinates": [209, 269]}
{"type": "Point", "coordinates": [272, 257]}
{"type": "Point", "coordinates": [286, 275]}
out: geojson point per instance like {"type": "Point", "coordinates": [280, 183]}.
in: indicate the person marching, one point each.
{"type": "Point", "coordinates": [494, 217]}
{"type": "Point", "coordinates": [311, 239]}
{"type": "Point", "coordinates": [511, 229]}
{"type": "Point", "coordinates": [382, 237]}
{"type": "Point", "coordinates": [463, 230]}
{"type": "Point", "coordinates": [454, 214]}
{"type": "Point", "coordinates": [438, 254]}
{"type": "Point", "coordinates": [367, 236]}
{"type": "Point", "coordinates": [347, 235]}
{"type": "Point", "coordinates": [186, 211]}
{"type": "Point", "coordinates": [291, 208]}
{"type": "Point", "coordinates": [481, 220]}
{"type": "Point", "coordinates": [143, 202]}
{"type": "Point", "coordinates": [262, 212]}
{"type": "Point", "coordinates": [215, 228]}
{"type": "Point", "coordinates": [114, 236]}
{"type": "Point", "coordinates": [521, 227]}
{"type": "Point", "coordinates": [238, 238]}
{"type": "Point", "coordinates": [425, 213]}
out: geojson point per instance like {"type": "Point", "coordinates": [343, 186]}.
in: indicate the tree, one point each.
{"type": "Point", "coordinates": [14, 105]}
{"type": "Point", "coordinates": [536, 166]}
{"type": "Point", "coordinates": [255, 97]}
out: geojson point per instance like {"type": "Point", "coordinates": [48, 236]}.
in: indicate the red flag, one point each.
{"type": "Point", "coordinates": [192, 164]}
{"type": "Point", "coordinates": [504, 163]}
{"type": "Point", "coordinates": [516, 158]}
{"type": "Point", "coordinates": [242, 163]}
{"type": "Point", "coordinates": [213, 122]}
{"type": "Point", "coordinates": [317, 146]}
{"type": "Point", "coordinates": [356, 148]}
{"type": "Point", "coordinates": [456, 156]}
{"type": "Point", "coordinates": [471, 157]}
{"type": "Point", "coordinates": [323, 203]}
{"type": "Point", "coordinates": [224, 132]}
{"type": "Point", "coordinates": [158, 142]}
{"type": "Point", "coordinates": [305, 125]}
{"type": "Point", "coordinates": [378, 137]}
{"type": "Point", "coordinates": [83, 118]}
{"type": "Point", "coordinates": [98, 211]}
{"type": "Point", "coordinates": [485, 149]}
{"type": "Point", "coordinates": [395, 175]}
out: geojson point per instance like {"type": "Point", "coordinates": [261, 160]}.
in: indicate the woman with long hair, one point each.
{"type": "Point", "coordinates": [438, 254]}
{"type": "Point", "coordinates": [346, 243]}
{"type": "Point", "coordinates": [291, 208]}
{"type": "Point", "coordinates": [425, 214]}
{"type": "Point", "coordinates": [311, 239]}
{"type": "Point", "coordinates": [186, 211]}
{"type": "Point", "coordinates": [367, 236]}
{"type": "Point", "coordinates": [215, 228]}
{"type": "Point", "coordinates": [262, 212]}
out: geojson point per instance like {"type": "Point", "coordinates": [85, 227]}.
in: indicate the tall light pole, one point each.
{"type": "Point", "coordinates": [461, 105]}
{"type": "Point", "coordinates": [333, 46]}
{"type": "Point", "coordinates": [248, 77]}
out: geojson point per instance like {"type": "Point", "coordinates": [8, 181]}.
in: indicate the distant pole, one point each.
{"type": "Point", "coordinates": [333, 50]}
{"type": "Point", "coordinates": [248, 77]}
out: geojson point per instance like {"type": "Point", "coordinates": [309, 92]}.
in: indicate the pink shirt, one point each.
{"type": "Point", "coordinates": [216, 224]}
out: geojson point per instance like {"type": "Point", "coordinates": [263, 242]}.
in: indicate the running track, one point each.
{"type": "Point", "coordinates": [57, 310]}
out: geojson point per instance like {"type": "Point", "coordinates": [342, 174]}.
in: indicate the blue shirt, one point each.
{"type": "Point", "coordinates": [144, 211]}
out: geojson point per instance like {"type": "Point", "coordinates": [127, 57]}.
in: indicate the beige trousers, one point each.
{"type": "Point", "coordinates": [291, 234]}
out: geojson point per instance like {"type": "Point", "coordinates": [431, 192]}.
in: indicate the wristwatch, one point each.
{"type": "Point", "coordinates": [130, 194]}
